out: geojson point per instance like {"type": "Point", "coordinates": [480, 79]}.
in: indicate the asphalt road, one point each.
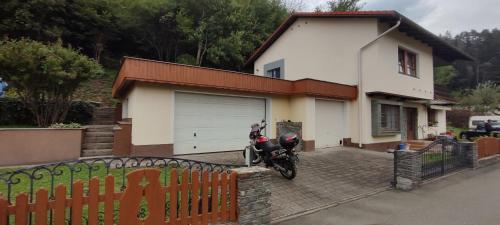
{"type": "Point", "coordinates": [471, 197]}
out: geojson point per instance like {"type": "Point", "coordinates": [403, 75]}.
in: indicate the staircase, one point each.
{"type": "Point", "coordinates": [103, 116]}
{"type": "Point", "coordinates": [98, 140]}
{"type": "Point", "coordinates": [98, 137]}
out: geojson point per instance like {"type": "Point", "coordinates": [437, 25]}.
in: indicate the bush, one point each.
{"type": "Point", "coordinates": [65, 125]}
{"type": "Point", "coordinates": [80, 112]}
{"type": "Point", "coordinates": [13, 112]}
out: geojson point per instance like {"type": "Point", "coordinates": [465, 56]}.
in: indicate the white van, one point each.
{"type": "Point", "coordinates": [474, 121]}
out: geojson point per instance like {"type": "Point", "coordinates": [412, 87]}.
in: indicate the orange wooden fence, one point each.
{"type": "Point", "coordinates": [488, 146]}
{"type": "Point", "coordinates": [211, 199]}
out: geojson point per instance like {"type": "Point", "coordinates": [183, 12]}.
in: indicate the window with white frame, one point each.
{"type": "Point", "coordinates": [407, 62]}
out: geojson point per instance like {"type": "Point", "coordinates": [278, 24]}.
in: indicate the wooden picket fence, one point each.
{"type": "Point", "coordinates": [488, 146]}
{"type": "Point", "coordinates": [211, 199]}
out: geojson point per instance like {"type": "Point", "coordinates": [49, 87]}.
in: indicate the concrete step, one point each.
{"type": "Point", "coordinates": [98, 146]}
{"type": "Point", "coordinates": [98, 139]}
{"type": "Point", "coordinates": [97, 152]}
{"type": "Point", "coordinates": [99, 134]}
{"type": "Point", "coordinates": [109, 122]}
{"type": "Point", "coordinates": [99, 128]}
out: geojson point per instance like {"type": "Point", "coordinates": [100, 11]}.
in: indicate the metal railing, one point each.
{"type": "Point", "coordinates": [441, 157]}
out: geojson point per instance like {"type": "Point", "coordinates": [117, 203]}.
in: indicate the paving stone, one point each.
{"type": "Point", "coordinates": [324, 177]}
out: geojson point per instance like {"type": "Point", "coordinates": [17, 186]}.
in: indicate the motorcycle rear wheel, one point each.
{"type": "Point", "coordinates": [291, 170]}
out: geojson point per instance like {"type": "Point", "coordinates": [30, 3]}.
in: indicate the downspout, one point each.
{"type": "Point", "coordinates": [360, 80]}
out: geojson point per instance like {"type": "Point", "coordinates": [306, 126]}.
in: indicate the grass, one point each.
{"type": "Point", "coordinates": [43, 178]}
{"type": "Point", "coordinates": [432, 157]}
{"type": "Point", "coordinates": [456, 130]}
{"type": "Point", "coordinates": [98, 89]}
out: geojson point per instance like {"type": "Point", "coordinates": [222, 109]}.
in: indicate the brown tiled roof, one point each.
{"type": "Point", "coordinates": [442, 93]}
{"type": "Point", "coordinates": [441, 48]}
{"type": "Point", "coordinates": [136, 69]}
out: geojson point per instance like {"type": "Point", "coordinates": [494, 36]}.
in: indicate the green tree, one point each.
{"type": "Point", "coordinates": [344, 5]}
{"type": "Point", "coordinates": [443, 75]}
{"type": "Point", "coordinates": [45, 76]}
{"type": "Point", "coordinates": [484, 99]}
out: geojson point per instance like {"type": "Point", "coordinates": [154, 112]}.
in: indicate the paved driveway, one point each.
{"type": "Point", "coordinates": [325, 177]}
{"type": "Point", "coordinates": [468, 197]}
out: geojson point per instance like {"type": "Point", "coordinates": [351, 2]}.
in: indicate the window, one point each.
{"type": "Point", "coordinates": [274, 73]}
{"type": "Point", "coordinates": [275, 69]}
{"type": "Point", "coordinates": [386, 117]}
{"type": "Point", "coordinates": [407, 62]}
{"type": "Point", "coordinates": [389, 117]}
{"type": "Point", "coordinates": [432, 117]}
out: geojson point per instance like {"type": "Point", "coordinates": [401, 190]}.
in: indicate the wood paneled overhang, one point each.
{"type": "Point", "coordinates": [143, 70]}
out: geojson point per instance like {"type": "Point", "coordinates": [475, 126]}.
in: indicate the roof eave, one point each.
{"type": "Point", "coordinates": [455, 53]}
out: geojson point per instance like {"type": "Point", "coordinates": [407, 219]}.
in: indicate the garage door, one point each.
{"type": "Point", "coordinates": [330, 123]}
{"type": "Point", "coordinates": [213, 123]}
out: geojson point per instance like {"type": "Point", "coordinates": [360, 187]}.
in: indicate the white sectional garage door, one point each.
{"type": "Point", "coordinates": [330, 123]}
{"type": "Point", "coordinates": [214, 123]}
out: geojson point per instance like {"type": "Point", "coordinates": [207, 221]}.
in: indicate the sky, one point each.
{"type": "Point", "coordinates": [438, 16]}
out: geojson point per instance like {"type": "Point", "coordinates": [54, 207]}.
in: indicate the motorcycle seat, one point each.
{"type": "Point", "coordinates": [273, 148]}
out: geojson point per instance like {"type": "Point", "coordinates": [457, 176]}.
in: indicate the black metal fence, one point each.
{"type": "Point", "coordinates": [437, 159]}
{"type": "Point", "coordinates": [29, 179]}
{"type": "Point", "coordinates": [441, 157]}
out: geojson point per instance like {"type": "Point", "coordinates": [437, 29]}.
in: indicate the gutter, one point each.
{"type": "Point", "coordinates": [360, 80]}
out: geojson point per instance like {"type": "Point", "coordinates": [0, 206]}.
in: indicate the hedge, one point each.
{"type": "Point", "coordinates": [13, 112]}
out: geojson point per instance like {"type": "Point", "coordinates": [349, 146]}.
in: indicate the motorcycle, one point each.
{"type": "Point", "coordinates": [281, 157]}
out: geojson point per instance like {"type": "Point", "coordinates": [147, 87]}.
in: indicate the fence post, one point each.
{"type": "Point", "coordinates": [254, 195]}
{"type": "Point", "coordinates": [471, 154]}
{"type": "Point", "coordinates": [408, 169]}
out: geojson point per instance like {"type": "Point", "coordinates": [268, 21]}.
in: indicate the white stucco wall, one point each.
{"type": "Point", "coordinates": [303, 109]}
{"type": "Point", "coordinates": [381, 72]}
{"type": "Point", "coordinates": [327, 49]}
{"type": "Point", "coordinates": [320, 48]}
{"type": "Point", "coordinates": [151, 109]}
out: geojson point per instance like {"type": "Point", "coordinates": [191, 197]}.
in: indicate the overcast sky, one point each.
{"type": "Point", "coordinates": [438, 16]}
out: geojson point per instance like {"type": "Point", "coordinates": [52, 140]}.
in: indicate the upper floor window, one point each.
{"type": "Point", "coordinates": [275, 69]}
{"type": "Point", "coordinates": [407, 62]}
{"type": "Point", "coordinates": [274, 73]}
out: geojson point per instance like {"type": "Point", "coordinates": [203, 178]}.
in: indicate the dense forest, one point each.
{"type": "Point", "coordinates": [212, 33]}
{"type": "Point", "coordinates": [484, 46]}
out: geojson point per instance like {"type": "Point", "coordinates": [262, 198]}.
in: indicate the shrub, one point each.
{"type": "Point", "coordinates": [65, 125]}
{"type": "Point", "coordinates": [45, 76]}
{"type": "Point", "coordinates": [13, 112]}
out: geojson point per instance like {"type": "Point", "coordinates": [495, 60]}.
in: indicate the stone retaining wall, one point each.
{"type": "Point", "coordinates": [409, 165]}
{"type": "Point", "coordinates": [254, 195]}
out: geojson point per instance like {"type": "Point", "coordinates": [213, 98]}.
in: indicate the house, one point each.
{"type": "Point", "coordinates": [351, 78]}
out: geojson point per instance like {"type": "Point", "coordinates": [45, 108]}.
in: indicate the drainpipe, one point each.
{"type": "Point", "coordinates": [360, 80]}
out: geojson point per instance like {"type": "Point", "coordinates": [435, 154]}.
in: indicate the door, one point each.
{"type": "Point", "coordinates": [214, 123]}
{"type": "Point", "coordinates": [330, 123]}
{"type": "Point", "coordinates": [409, 129]}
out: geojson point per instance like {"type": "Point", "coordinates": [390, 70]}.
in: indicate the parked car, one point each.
{"type": "Point", "coordinates": [480, 131]}
{"type": "Point", "coordinates": [475, 121]}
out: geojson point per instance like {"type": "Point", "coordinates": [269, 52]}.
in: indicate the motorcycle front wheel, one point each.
{"type": "Point", "coordinates": [256, 159]}
{"type": "Point", "coordinates": [290, 169]}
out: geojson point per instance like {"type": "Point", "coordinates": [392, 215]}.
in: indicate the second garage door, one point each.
{"type": "Point", "coordinates": [330, 123]}
{"type": "Point", "coordinates": [213, 123]}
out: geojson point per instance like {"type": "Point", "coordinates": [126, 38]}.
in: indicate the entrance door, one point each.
{"type": "Point", "coordinates": [410, 124]}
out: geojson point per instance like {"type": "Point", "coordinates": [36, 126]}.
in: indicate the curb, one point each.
{"type": "Point", "coordinates": [331, 205]}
